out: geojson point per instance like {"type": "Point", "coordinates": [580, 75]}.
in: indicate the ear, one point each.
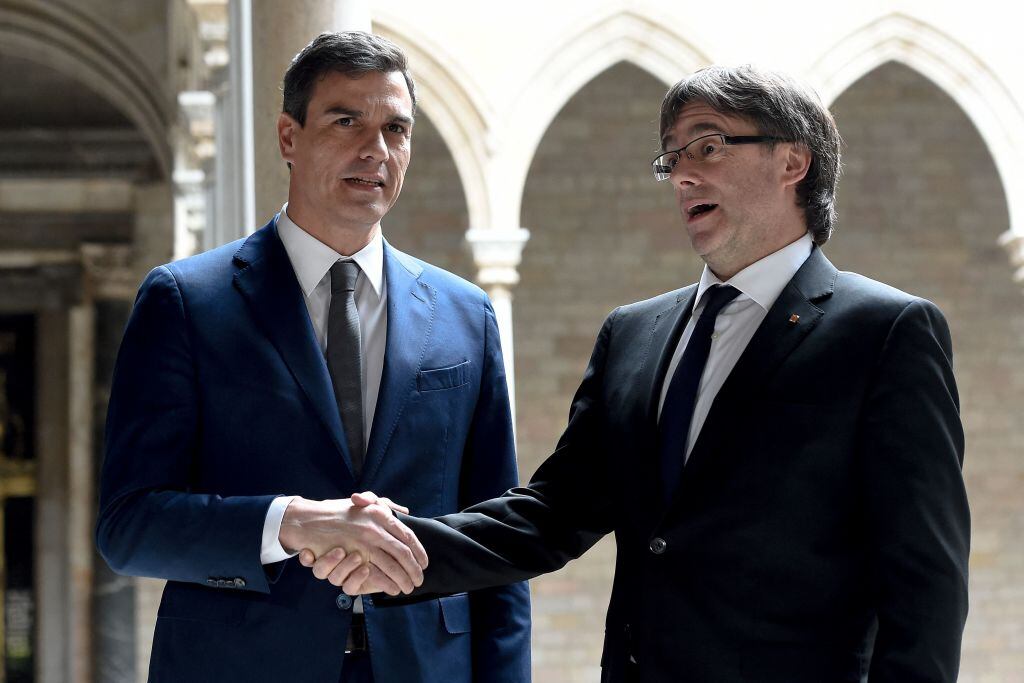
{"type": "Point", "coordinates": [287, 128]}
{"type": "Point", "coordinates": [798, 161]}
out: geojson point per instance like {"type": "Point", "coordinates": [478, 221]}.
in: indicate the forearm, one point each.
{"type": "Point", "coordinates": [182, 536]}
{"type": "Point", "coordinates": [498, 542]}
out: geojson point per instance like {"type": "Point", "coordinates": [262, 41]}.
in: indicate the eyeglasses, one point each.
{"type": "Point", "coordinates": [704, 148]}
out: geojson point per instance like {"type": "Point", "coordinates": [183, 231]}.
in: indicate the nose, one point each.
{"type": "Point", "coordinates": [684, 173]}
{"type": "Point", "coordinates": [374, 146]}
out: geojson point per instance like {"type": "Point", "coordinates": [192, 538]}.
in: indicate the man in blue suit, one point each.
{"type": "Point", "coordinates": [262, 383]}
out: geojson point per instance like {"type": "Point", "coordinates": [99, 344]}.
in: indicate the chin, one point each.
{"type": "Point", "coordinates": [705, 243]}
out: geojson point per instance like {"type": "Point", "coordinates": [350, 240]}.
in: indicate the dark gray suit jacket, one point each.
{"type": "Point", "coordinates": [821, 530]}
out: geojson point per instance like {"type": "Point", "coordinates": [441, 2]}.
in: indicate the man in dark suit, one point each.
{"type": "Point", "coordinates": [262, 383]}
{"type": "Point", "coordinates": [777, 448]}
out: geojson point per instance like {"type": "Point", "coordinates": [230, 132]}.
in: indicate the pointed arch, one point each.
{"type": "Point", "coordinates": [622, 36]}
{"type": "Point", "coordinates": [938, 57]}
{"type": "Point", "coordinates": [453, 103]}
{"type": "Point", "coordinates": [66, 39]}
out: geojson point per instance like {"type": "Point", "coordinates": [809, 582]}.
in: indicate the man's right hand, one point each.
{"type": "Point", "coordinates": [365, 533]}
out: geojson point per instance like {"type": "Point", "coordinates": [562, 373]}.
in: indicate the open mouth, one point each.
{"type": "Point", "coordinates": [700, 210]}
{"type": "Point", "coordinates": [364, 182]}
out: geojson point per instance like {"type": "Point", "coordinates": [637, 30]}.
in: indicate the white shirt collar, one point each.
{"type": "Point", "coordinates": [312, 259]}
{"type": "Point", "coordinates": [763, 280]}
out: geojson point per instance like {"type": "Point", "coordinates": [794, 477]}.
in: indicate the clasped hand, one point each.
{"type": "Point", "coordinates": [357, 544]}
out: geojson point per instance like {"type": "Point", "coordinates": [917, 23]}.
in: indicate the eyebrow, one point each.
{"type": "Point", "coordinates": [695, 130]}
{"type": "Point", "coordinates": [338, 110]}
{"type": "Point", "coordinates": [344, 111]}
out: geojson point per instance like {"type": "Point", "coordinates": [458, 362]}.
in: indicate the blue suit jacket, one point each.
{"type": "Point", "coordinates": [221, 401]}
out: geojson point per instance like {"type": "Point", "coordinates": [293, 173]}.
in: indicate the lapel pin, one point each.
{"type": "Point", "coordinates": [794, 319]}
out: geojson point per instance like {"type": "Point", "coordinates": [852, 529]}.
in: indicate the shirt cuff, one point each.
{"type": "Point", "coordinates": [271, 551]}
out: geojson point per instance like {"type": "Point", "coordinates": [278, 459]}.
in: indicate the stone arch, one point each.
{"type": "Point", "coordinates": [66, 39]}
{"type": "Point", "coordinates": [952, 67]}
{"type": "Point", "coordinates": [448, 96]}
{"type": "Point", "coordinates": [623, 36]}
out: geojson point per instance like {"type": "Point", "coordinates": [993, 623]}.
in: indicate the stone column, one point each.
{"type": "Point", "coordinates": [497, 254]}
{"type": "Point", "coordinates": [153, 237]}
{"type": "Point", "coordinates": [54, 662]}
{"type": "Point", "coordinates": [352, 15]}
{"type": "Point", "coordinates": [80, 511]}
{"type": "Point", "coordinates": [120, 636]}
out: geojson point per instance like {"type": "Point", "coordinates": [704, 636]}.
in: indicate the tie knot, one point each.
{"type": "Point", "coordinates": [717, 297]}
{"type": "Point", "coordinates": [343, 276]}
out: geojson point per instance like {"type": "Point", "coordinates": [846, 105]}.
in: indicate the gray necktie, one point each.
{"type": "Point", "coordinates": [345, 356]}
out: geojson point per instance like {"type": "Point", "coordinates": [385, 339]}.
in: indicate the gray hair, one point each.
{"type": "Point", "coordinates": [352, 53]}
{"type": "Point", "coordinates": [778, 106]}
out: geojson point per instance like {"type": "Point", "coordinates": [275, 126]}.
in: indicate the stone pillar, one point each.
{"type": "Point", "coordinates": [497, 254]}
{"type": "Point", "coordinates": [54, 660]}
{"type": "Point", "coordinates": [352, 15]}
{"type": "Point", "coordinates": [154, 226]}
{"type": "Point", "coordinates": [80, 511]}
{"type": "Point", "coordinates": [120, 635]}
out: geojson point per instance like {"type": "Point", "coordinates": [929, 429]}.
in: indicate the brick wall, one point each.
{"type": "Point", "coordinates": [921, 207]}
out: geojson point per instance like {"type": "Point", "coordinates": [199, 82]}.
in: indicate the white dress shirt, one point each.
{"type": "Point", "coordinates": [759, 284]}
{"type": "Point", "coordinates": [312, 261]}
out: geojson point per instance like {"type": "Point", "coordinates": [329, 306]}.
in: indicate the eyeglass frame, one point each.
{"type": "Point", "coordinates": [726, 140]}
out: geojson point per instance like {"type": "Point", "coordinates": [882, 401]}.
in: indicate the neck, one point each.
{"type": "Point", "coordinates": [343, 237]}
{"type": "Point", "coordinates": [727, 265]}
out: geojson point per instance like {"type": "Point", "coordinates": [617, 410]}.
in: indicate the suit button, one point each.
{"type": "Point", "coordinates": [212, 582]}
{"type": "Point", "coordinates": [222, 582]}
{"type": "Point", "coordinates": [239, 583]}
{"type": "Point", "coordinates": [658, 545]}
{"type": "Point", "coordinates": [343, 601]}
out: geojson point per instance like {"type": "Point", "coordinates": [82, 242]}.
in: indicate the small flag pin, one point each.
{"type": "Point", "coordinates": [794, 319]}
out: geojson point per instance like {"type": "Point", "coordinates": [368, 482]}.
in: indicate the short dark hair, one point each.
{"type": "Point", "coordinates": [778, 106]}
{"type": "Point", "coordinates": [352, 53]}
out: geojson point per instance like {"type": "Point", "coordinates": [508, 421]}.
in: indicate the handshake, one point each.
{"type": "Point", "coordinates": [356, 544]}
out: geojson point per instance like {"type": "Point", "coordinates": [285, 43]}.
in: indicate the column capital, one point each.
{"type": "Point", "coordinates": [497, 253]}
{"type": "Point", "coordinates": [110, 270]}
{"type": "Point", "coordinates": [1013, 243]}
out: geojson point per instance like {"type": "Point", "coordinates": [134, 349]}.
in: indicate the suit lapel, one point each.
{"type": "Point", "coordinates": [410, 317]}
{"type": "Point", "coordinates": [645, 392]}
{"type": "Point", "coordinates": [775, 339]}
{"type": "Point", "coordinates": [267, 281]}
{"type": "Point", "coordinates": [668, 328]}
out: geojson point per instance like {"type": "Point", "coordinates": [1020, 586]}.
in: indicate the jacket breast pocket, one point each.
{"type": "Point", "coordinates": [193, 602]}
{"type": "Point", "coordinates": [443, 378]}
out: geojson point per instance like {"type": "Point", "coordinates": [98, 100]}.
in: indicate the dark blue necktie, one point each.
{"type": "Point", "coordinates": [677, 412]}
